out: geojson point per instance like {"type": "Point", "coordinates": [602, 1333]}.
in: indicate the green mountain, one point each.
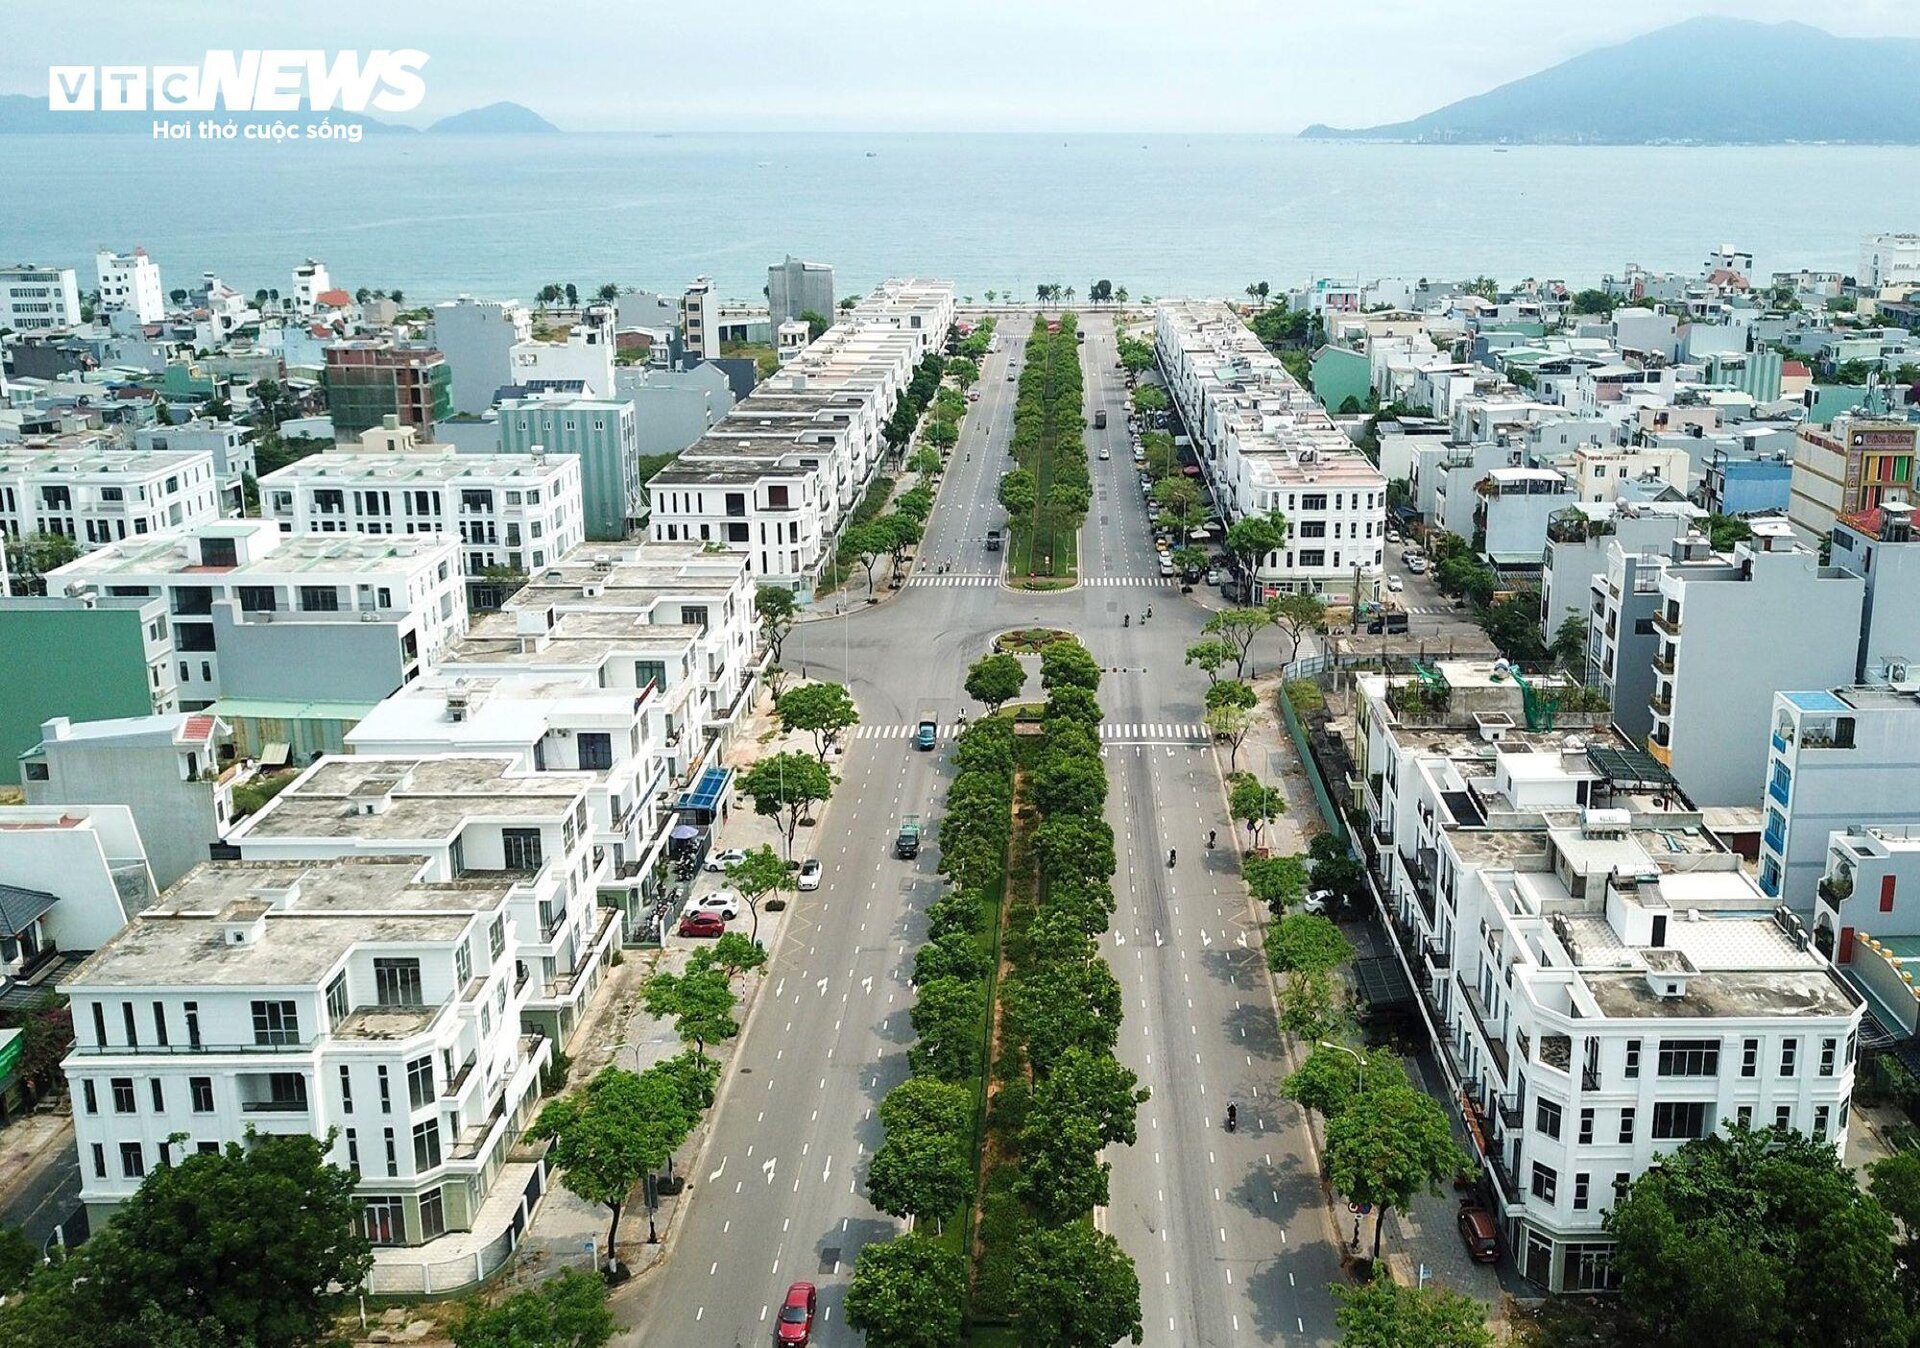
{"type": "Point", "coordinates": [496, 119]}
{"type": "Point", "coordinates": [1705, 81]}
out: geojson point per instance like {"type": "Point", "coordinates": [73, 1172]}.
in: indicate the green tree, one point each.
{"type": "Point", "coordinates": [776, 608]}
{"type": "Point", "coordinates": [1018, 492]}
{"type": "Point", "coordinates": [1061, 1173]}
{"type": "Point", "coordinates": [964, 371]}
{"type": "Point", "coordinates": [909, 1292]}
{"type": "Point", "coordinates": [952, 954]}
{"type": "Point", "coordinates": [257, 1245]}
{"type": "Point", "coordinates": [785, 787]}
{"type": "Point", "coordinates": [1312, 1006]}
{"type": "Point", "coordinates": [1250, 539]}
{"type": "Point", "coordinates": [569, 1311]}
{"type": "Point", "coordinates": [942, 434]}
{"type": "Point", "coordinates": [1383, 1314]}
{"type": "Point", "coordinates": [1278, 882]}
{"type": "Point", "coordinates": [1331, 1078]}
{"type": "Point", "coordinates": [901, 530]}
{"type": "Point", "coordinates": [1569, 648]}
{"type": "Point", "coordinates": [1237, 627]}
{"type": "Point", "coordinates": [1211, 655]}
{"type": "Point", "coordinates": [1591, 302]}
{"type": "Point", "coordinates": [995, 680]}
{"type": "Point", "coordinates": [1296, 614]}
{"type": "Point", "coordinates": [865, 544]}
{"type": "Point", "coordinates": [700, 1002]}
{"type": "Point", "coordinates": [1063, 1005]}
{"type": "Point", "coordinates": [817, 323]}
{"type": "Point", "coordinates": [29, 558]}
{"type": "Point", "coordinates": [760, 873]}
{"type": "Point", "coordinates": [923, 1169]}
{"type": "Point", "coordinates": [948, 1018]}
{"type": "Point", "coordinates": [1068, 664]}
{"type": "Point", "coordinates": [613, 1133]}
{"type": "Point", "coordinates": [1389, 1151]}
{"type": "Point", "coordinates": [1335, 869]}
{"type": "Point", "coordinates": [1254, 804]}
{"type": "Point", "coordinates": [1093, 1086]}
{"type": "Point", "coordinates": [1071, 703]}
{"type": "Point", "coordinates": [1074, 1287]}
{"type": "Point", "coordinates": [1895, 1185]}
{"type": "Point", "coordinates": [1306, 943]}
{"type": "Point", "coordinates": [822, 710]}
{"type": "Point", "coordinates": [733, 954]}
{"type": "Point", "coordinates": [925, 462]}
{"type": "Point", "coordinates": [1230, 723]}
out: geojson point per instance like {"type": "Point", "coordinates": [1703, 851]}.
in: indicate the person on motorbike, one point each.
{"type": "Point", "coordinates": [1169, 858]}
{"type": "Point", "coordinates": [1233, 1117]}
{"type": "Point", "coordinates": [1211, 834]}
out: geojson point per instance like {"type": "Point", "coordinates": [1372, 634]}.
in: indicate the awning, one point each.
{"type": "Point", "coordinates": [708, 791]}
{"type": "Point", "coordinates": [274, 754]}
{"type": "Point", "coordinates": [1382, 983]}
{"type": "Point", "coordinates": [20, 908]}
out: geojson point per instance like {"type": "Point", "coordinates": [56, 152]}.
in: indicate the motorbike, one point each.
{"type": "Point", "coordinates": [1233, 1119]}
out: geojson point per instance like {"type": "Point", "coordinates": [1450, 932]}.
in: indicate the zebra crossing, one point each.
{"type": "Point", "coordinates": [925, 582]}
{"type": "Point", "coordinates": [1134, 582]}
{"type": "Point", "coordinates": [1145, 732]}
{"type": "Point", "coordinates": [977, 579]}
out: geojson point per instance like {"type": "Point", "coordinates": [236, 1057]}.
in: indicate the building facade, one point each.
{"type": "Point", "coordinates": [477, 338]}
{"type": "Point", "coordinates": [368, 381]}
{"type": "Point", "coordinates": [130, 284]}
{"type": "Point", "coordinates": [101, 496]}
{"type": "Point", "coordinates": [39, 299]}
{"type": "Point", "coordinates": [1855, 464]}
{"type": "Point", "coordinates": [603, 434]}
{"type": "Point", "coordinates": [794, 288]}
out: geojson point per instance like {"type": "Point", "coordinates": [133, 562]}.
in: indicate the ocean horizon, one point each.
{"type": "Point", "coordinates": [1162, 214]}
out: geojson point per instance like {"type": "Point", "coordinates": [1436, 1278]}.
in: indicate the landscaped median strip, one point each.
{"type": "Point", "coordinates": [1048, 494]}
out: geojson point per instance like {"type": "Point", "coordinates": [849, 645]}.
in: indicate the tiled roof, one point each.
{"type": "Point", "coordinates": [198, 728]}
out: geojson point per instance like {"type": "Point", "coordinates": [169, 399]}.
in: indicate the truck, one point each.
{"type": "Point", "coordinates": [1100, 419]}
{"type": "Point", "coordinates": [993, 540]}
{"type": "Point", "coordinates": [1386, 621]}
{"type": "Point", "coordinates": [907, 845]}
{"type": "Point", "coordinates": [927, 732]}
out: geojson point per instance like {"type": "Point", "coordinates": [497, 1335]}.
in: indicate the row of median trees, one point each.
{"type": "Point", "coordinates": [1047, 494]}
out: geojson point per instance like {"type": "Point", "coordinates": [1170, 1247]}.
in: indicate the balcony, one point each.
{"type": "Point", "coordinates": [1668, 623]}
{"type": "Point", "coordinates": [1775, 839]}
{"type": "Point", "coordinates": [1420, 877]}
{"type": "Point", "coordinates": [1513, 1111]}
{"type": "Point", "coordinates": [1662, 706]}
{"type": "Point", "coordinates": [1777, 788]}
{"type": "Point", "coordinates": [1438, 955]}
{"type": "Point", "coordinates": [1496, 1043]}
{"type": "Point", "coordinates": [1663, 664]}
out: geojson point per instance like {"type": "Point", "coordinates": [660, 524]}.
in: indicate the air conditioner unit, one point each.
{"type": "Point", "coordinates": [368, 616]}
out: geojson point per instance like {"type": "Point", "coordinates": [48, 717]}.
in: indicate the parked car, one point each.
{"type": "Point", "coordinates": [809, 874]}
{"type": "Point", "coordinates": [1395, 584]}
{"type": "Point", "coordinates": [1477, 1229]}
{"type": "Point", "coordinates": [724, 904]}
{"type": "Point", "coordinates": [1318, 902]}
{"type": "Point", "coordinates": [1417, 566]}
{"type": "Point", "coordinates": [701, 924]}
{"type": "Point", "coordinates": [719, 861]}
{"type": "Point", "coordinates": [796, 1314]}
{"type": "Point", "coordinates": [1166, 565]}
{"type": "Point", "coordinates": [1214, 576]}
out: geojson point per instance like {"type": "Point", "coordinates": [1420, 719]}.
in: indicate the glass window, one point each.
{"type": "Point", "coordinates": [133, 1161]}
{"type": "Point", "coordinates": [1586, 1125]}
{"type": "Point", "coordinates": [1821, 1114]}
{"type": "Point", "coordinates": [1689, 1058]}
{"type": "Point", "coordinates": [1829, 1051]}
{"type": "Point", "coordinates": [433, 1216]}
{"type": "Point", "coordinates": [123, 1101]}
{"type": "Point", "coordinates": [386, 1090]}
{"type": "Point", "coordinates": [426, 1145]}
{"type": "Point", "coordinates": [1546, 1182]}
{"type": "Point", "coordinates": [1547, 1118]}
{"type": "Point", "coordinates": [1588, 1267]}
{"type": "Point", "coordinates": [337, 1007]}
{"type": "Point", "coordinates": [396, 982]}
{"type": "Point", "coordinates": [1626, 1125]}
{"type": "Point", "coordinates": [384, 1221]}
{"type": "Point", "coordinates": [496, 938]}
{"type": "Point", "coordinates": [91, 1100]}
{"type": "Point", "coordinates": [462, 963]}
{"type": "Point", "coordinates": [1582, 1185]}
{"type": "Point", "coordinates": [346, 1088]}
{"type": "Point", "coordinates": [1750, 1058]}
{"type": "Point", "coordinates": [393, 1153]}
{"type": "Point", "coordinates": [99, 1161]}
{"type": "Point", "coordinates": [1789, 1056]}
{"type": "Point", "coordinates": [201, 1089]}
{"type": "Point", "coordinates": [1679, 1120]}
{"type": "Point", "coordinates": [159, 1093]}
{"type": "Point", "coordinates": [1783, 1118]}
{"type": "Point", "coordinates": [1633, 1057]}
{"type": "Point", "coordinates": [522, 848]}
{"type": "Point", "coordinates": [276, 1023]}
{"type": "Point", "coordinates": [353, 1151]}
{"type": "Point", "coordinates": [420, 1082]}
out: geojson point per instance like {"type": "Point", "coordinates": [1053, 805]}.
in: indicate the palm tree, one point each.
{"type": "Point", "coordinates": [1070, 294]}
{"type": "Point", "coordinates": [1253, 292]}
{"type": "Point", "coordinates": [396, 296]}
{"type": "Point", "coordinates": [609, 291]}
{"type": "Point", "coordinates": [1120, 294]}
{"type": "Point", "coordinates": [990, 295]}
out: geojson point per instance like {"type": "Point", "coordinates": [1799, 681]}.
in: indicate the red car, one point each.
{"type": "Point", "coordinates": [796, 1315]}
{"type": "Point", "coordinates": [1477, 1229]}
{"type": "Point", "coordinates": [702, 924]}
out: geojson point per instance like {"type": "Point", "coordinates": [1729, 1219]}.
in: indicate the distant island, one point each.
{"type": "Point", "coordinates": [1707, 81]}
{"type": "Point", "coordinates": [26, 115]}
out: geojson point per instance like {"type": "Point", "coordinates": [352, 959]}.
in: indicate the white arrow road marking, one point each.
{"type": "Point", "coordinates": [721, 1171]}
{"type": "Point", "coordinates": [767, 1167]}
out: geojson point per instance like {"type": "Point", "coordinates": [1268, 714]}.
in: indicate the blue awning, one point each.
{"type": "Point", "coordinates": [706, 792]}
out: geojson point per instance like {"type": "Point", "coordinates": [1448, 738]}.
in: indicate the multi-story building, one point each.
{"type": "Point", "coordinates": [1730, 630]}
{"type": "Point", "coordinates": [512, 512]}
{"type": "Point", "coordinates": [1266, 445]}
{"type": "Point", "coordinates": [1603, 980]}
{"type": "Point", "coordinates": [700, 320]}
{"type": "Point", "coordinates": [1837, 759]}
{"type": "Point", "coordinates": [258, 613]}
{"type": "Point", "coordinates": [1599, 474]}
{"type": "Point", "coordinates": [166, 769]}
{"type": "Point", "coordinates": [1576, 552]}
{"type": "Point", "coordinates": [1890, 261]}
{"type": "Point", "coordinates": [130, 284]}
{"type": "Point", "coordinates": [1879, 546]}
{"type": "Point", "coordinates": [477, 338]}
{"type": "Point", "coordinates": [794, 288]}
{"type": "Point", "coordinates": [368, 381]}
{"type": "Point", "coordinates": [582, 361]}
{"type": "Point", "coordinates": [73, 875]}
{"type": "Point", "coordinates": [310, 282]}
{"type": "Point", "coordinates": [230, 444]}
{"type": "Point", "coordinates": [38, 299]}
{"type": "Point", "coordinates": [1855, 464]}
{"type": "Point", "coordinates": [100, 496]}
{"type": "Point", "coordinates": [1511, 511]}
{"type": "Point", "coordinates": [380, 1001]}
{"type": "Point", "coordinates": [91, 657]}
{"type": "Point", "coordinates": [777, 478]}
{"type": "Point", "coordinates": [469, 816]}
{"type": "Point", "coordinates": [603, 434]}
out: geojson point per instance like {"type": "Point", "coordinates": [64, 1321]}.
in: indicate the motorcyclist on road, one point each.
{"type": "Point", "coordinates": [1169, 858]}
{"type": "Point", "coordinates": [1233, 1117]}
{"type": "Point", "coordinates": [1126, 620]}
{"type": "Point", "coordinates": [1211, 834]}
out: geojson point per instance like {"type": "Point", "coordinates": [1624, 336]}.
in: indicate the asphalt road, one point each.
{"type": "Point", "coordinates": [1228, 1232]}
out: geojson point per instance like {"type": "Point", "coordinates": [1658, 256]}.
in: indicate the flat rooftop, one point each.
{"type": "Point", "coordinates": [427, 464]}
{"type": "Point", "coordinates": [1770, 992]}
{"type": "Point", "coordinates": [166, 556]}
{"type": "Point", "coordinates": [428, 799]}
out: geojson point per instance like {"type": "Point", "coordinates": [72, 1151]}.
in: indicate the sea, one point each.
{"type": "Point", "coordinates": [1201, 215]}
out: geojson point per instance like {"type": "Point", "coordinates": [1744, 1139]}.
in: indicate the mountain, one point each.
{"type": "Point", "coordinates": [1705, 81]}
{"type": "Point", "coordinates": [496, 119]}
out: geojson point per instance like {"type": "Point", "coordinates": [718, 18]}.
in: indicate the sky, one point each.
{"type": "Point", "coordinates": [915, 65]}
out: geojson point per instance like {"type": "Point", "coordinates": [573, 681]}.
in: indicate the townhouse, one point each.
{"type": "Point", "coordinates": [1264, 444]}
{"type": "Point", "coordinates": [1603, 980]}
{"type": "Point", "coordinates": [1854, 464]}
{"type": "Point", "coordinates": [96, 495]}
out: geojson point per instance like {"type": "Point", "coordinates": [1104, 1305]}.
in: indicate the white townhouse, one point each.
{"type": "Point", "coordinates": [378, 999]}
{"type": "Point", "coordinates": [469, 816]}
{"type": "Point", "coordinates": [1265, 444]}
{"type": "Point", "coordinates": [97, 496]}
{"type": "Point", "coordinates": [130, 284]}
{"type": "Point", "coordinates": [38, 299]}
{"type": "Point", "coordinates": [249, 605]}
{"type": "Point", "coordinates": [1605, 980]}
{"type": "Point", "coordinates": [512, 513]}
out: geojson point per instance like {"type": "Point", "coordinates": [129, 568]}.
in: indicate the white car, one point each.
{"type": "Point", "coordinates": [1105, 454]}
{"type": "Point", "coordinates": [1166, 565]}
{"type": "Point", "coordinates": [1394, 584]}
{"type": "Point", "coordinates": [719, 861]}
{"type": "Point", "coordinates": [1317, 902]}
{"type": "Point", "coordinates": [809, 875]}
{"type": "Point", "coordinates": [1416, 566]}
{"type": "Point", "coordinates": [722, 904]}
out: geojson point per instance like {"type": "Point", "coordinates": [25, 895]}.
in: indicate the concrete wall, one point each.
{"type": "Point", "coordinates": [294, 661]}
{"type": "Point", "coordinates": [81, 663]}
{"type": "Point", "coordinates": [176, 817]}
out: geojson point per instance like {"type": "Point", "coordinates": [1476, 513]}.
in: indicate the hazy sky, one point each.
{"type": "Point", "coordinates": [990, 65]}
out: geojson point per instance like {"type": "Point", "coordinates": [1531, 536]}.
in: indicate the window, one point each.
{"type": "Point", "coordinates": [596, 750]}
{"type": "Point", "coordinates": [1547, 1118]}
{"type": "Point", "coordinates": [1546, 1182]}
{"type": "Point", "coordinates": [160, 1025]}
{"type": "Point", "coordinates": [99, 1161]}
{"type": "Point", "coordinates": [159, 1095]}
{"type": "Point", "coordinates": [396, 982]}
{"type": "Point", "coordinates": [433, 1217]}
{"type": "Point", "coordinates": [1313, 557]}
{"type": "Point", "coordinates": [1886, 893]}
{"type": "Point", "coordinates": [1689, 1058]}
{"type": "Point", "coordinates": [1586, 1126]}
{"type": "Point", "coordinates": [522, 848]}
{"type": "Point", "coordinates": [133, 1032]}
{"type": "Point", "coordinates": [207, 1148]}
{"type": "Point", "coordinates": [496, 938]}
{"type": "Point", "coordinates": [1626, 1125]}
{"type": "Point", "coordinates": [91, 1100]}
{"type": "Point", "coordinates": [276, 1023]}
{"type": "Point", "coordinates": [123, 1101]}
{"type": "Point", "coordinates": [393, 1154]}
{"type": "Point", "coordinates": [386, 1090]}
{"type": "Point", "coordinates": [1633, 1057]}
{"type": "Point", "coordinates": [1821, 1113]}
{"type": "Point", "coordinates": [319, 599]}
{"type": "Point", "coordinates": [1789, 1056]}
{"type": "Point", "coordinates": [133, 1161]}
{"type": "Point", "coordinates": [192, 1012]}
{"type": "Point", "coordinates": [426, 1145]}
{"type": "Point", "coordinates": [346, 1088]}
{"type": "Point", "coordinates": [337, 1008]}
{"type": "Point", "coordinates": [1750, 1058]}
{"type": "Point", "coordinates": [1783, 1118]}
{"type": "Point", "coordinates": [257, 599]}
{"type": "Point", "coordinates": [420, 1082]}
{"type": "Point", "coordinates": [694, 615]}
{"type": "Point", "coordinates": [1588, 1267]}
{"type": "Point", "coordinates": [1679, 1120]}
{"type": "Point", "coordinates": [1828, 1049]}
{"type": "Point", "coordinates": [200, 1090]}
{"type": "Point", "coordinates": [649, 672]}
{"type": "Point", "coordinates": [462, 963]}
{"type": "Point", "coordinates": [99, 1025]}
{"type": "Point", "coordinates": [384, 1221]}
{"type": "Point", "coordinates": [353, 1151]}
{"type": "Point", "coordinates": [1581, 1187]}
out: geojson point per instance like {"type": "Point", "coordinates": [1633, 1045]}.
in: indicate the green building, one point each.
{"type": "Point", "coordinates": [1755, 373]}
{"type": "Point", "coordinates": [1339, 374]}
{"type": "Point", "coordinates": [603, 434]}
{"type": "Point", "coordinates": [86, 660]}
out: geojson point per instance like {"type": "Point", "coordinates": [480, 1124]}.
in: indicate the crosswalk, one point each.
{"type": "Point", "coordinates": [1144, 732]}
{"type": "Point", "coordinates": [1134, 582]}
{"type": "Point", "coordinates": [977, 579]}
{"type": "Point", "coordinates": [925, 582]}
